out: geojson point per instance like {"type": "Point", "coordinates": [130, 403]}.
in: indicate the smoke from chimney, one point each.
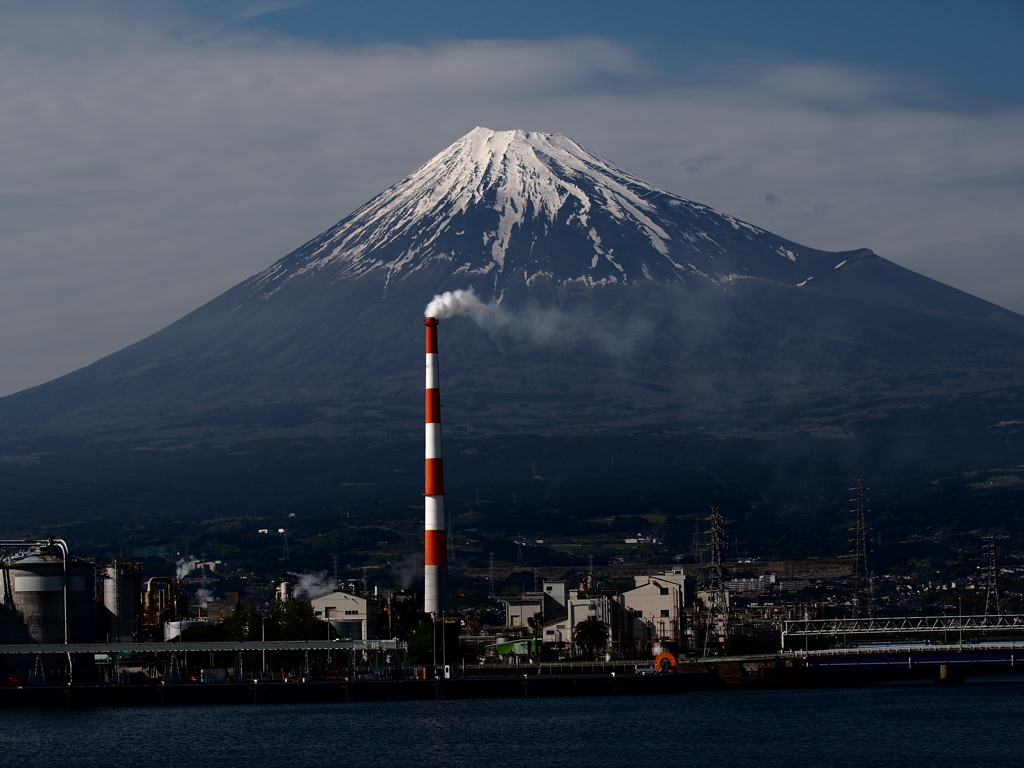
{"type": "Point", "coordinates": [184, 567]}
{"type": "Point", "coordinates": [452, 303]}
{"type": "Point", "coordinates": [310, 586]}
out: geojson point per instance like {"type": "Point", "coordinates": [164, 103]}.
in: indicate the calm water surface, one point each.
{"type": "Point", "coordinates": [904, 727]}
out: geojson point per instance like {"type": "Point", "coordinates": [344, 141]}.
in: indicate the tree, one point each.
{"type": "Point", "coordinates": [294, 620]}
{"type": "Point", "coordinates": [427, 644]}
{"type": "Point", "coordinates": [245, 623]}
{"type": "Point", "coordinates": [591, 635]}
{"type": "Point", "coordinates": [536, 623]}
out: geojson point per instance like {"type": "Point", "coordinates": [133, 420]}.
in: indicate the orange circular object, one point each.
{"type": "Point", "coordinates": [665, 662]}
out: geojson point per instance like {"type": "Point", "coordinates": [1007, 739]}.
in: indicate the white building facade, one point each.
{"type": "Point", "coordinates": [654, 610]}
{"type": "Point", "coordinates": [353, 617]}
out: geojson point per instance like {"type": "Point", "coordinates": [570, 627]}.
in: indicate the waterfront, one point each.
{"type": "Point", "coordinates": [906, 725]}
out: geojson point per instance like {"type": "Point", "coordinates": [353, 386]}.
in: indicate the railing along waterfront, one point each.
{"type": "Point", "coordinates": [181, 647]}
{"type": "Point", "coordinates": [970, 626]}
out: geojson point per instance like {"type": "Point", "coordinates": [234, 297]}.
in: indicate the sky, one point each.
{"type": "Point", "coordinates": [156, 154]}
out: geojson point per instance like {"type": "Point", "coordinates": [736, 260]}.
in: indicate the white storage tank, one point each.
{"type": "Point", "coordinates": [120, 586]}
{"type": "Point", "coordinates": [173, 629]}
{"type": "Point", "coordinates": [48, 595]}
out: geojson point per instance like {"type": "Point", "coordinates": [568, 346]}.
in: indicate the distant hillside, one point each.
{"type": "Point", "coordinates": [640, 349]}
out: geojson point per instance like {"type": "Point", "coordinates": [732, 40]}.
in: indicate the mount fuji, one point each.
{"type": "Point", "coordinates": [638, 349]}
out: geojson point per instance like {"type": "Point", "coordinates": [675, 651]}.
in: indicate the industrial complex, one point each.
{"type": "Point", "coordinates": [67, 621]}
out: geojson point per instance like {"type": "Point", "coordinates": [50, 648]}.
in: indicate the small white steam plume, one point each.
{"type": "Point", "coordinates": [310, 586]}
{"type": "Point", "coordinates": [203, 597]}
{"type": "Point", "coordinates": [184, 567]}
{"type": "Point", "coordinates": [452, 303]}
{"type": "Point", "coordinates": [407, 569]}
{"type": "Point", "coordinates": [541, 325]}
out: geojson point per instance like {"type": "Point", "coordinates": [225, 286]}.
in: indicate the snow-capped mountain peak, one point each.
{"type": "Point", "coordinates": [518, 204]}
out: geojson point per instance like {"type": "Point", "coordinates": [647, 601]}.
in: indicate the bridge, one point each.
{"type": "Point", "coordinates": [964, 630]}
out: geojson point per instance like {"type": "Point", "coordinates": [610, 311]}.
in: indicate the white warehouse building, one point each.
{"type": "Point", "coordinates": [353, 617]}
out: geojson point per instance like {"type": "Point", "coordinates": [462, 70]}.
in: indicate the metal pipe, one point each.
{"type": "Point", "coordinates": [65, 553]}
{"type": "Point", "coordinates": [435, 550]}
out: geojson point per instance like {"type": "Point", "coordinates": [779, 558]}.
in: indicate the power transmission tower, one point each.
{"type": "Point", "coordinates": [863, 597]}
{"type": "Point", "coordinates": [714, 586]}
{"type": "Point", "coordinates": [992, 592]}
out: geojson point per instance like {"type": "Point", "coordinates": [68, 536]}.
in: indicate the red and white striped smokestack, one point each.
{"type": "Point", "coordinates": [435, 550]}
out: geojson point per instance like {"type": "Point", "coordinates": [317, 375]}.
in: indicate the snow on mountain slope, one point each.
{"type": "Point", "coordinates": [519, 205]}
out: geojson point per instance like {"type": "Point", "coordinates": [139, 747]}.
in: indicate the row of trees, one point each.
{"type": "Point", "coordinates": [293, 620]}
{"type": "Point", "coordinates": [432, 642]}
{"type": "Point", "coordinates": [437, 642]}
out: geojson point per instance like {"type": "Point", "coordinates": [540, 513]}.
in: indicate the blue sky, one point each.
{"type": "Point", "coordinates": [157, 154]}
{"type": "Point", "coordinates": [975, 46]}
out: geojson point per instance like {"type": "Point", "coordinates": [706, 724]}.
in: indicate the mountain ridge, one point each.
{"type": "Point", "coordinates": [516, 183]}
{"type": "Point", "coordinates": [667, 324]}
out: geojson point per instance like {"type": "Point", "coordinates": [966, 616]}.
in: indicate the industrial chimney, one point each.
{"type": "Point", "coordinates": [435, 551]}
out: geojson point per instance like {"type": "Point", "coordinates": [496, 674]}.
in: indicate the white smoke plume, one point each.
{"type": "Point", "coordinates": [203, 597]}
{"type": "Point", "coordinates": [184, 567]}
{"type": "Point", "coordinates": [408, 569]}
{"type": "Point", "coordinates": [452, 303]}
{"type": "Point", "coordinates": [310, 586]}
{"type": "Point", "coordinates": [543, 325]}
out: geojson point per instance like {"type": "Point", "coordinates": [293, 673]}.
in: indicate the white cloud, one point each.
{"type": "Point", "coordinates": [147, 170]}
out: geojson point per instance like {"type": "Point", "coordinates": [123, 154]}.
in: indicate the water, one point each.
{"type": "Point", "coordinates": [904, 726]}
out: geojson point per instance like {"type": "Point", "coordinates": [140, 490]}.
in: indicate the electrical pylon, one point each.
{"type": "Point", "coordinates": [717, 628]}
{"type": "Point", "coordinates": [863, 597]}
{"type": "Point", "coordinates": [992, 607]}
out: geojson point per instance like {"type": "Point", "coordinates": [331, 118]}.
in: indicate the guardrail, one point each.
{"type": "Point", "coordinates": [902, 625]}
{"type": "Point", "coordinates": [181, 647]}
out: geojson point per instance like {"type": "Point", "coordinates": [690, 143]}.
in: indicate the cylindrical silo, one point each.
{"type": "Point", "coordinates": [51, 593]}
{"type": "Point", "coordinates": [120, 587]}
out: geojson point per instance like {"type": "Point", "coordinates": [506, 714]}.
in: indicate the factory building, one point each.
{"type": "Point", "coordinates": [353, 617]}
{"type": "Point", "coordinates": [653, 610]}
{"type": "Point", "coordinates": [549, 604]}
{"type": "Point", "coordinates": [218, 610]}
{"type": "Point", "coordinates": [675, 576]}
{"type": "Point", "coordinates": [581, 605]}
